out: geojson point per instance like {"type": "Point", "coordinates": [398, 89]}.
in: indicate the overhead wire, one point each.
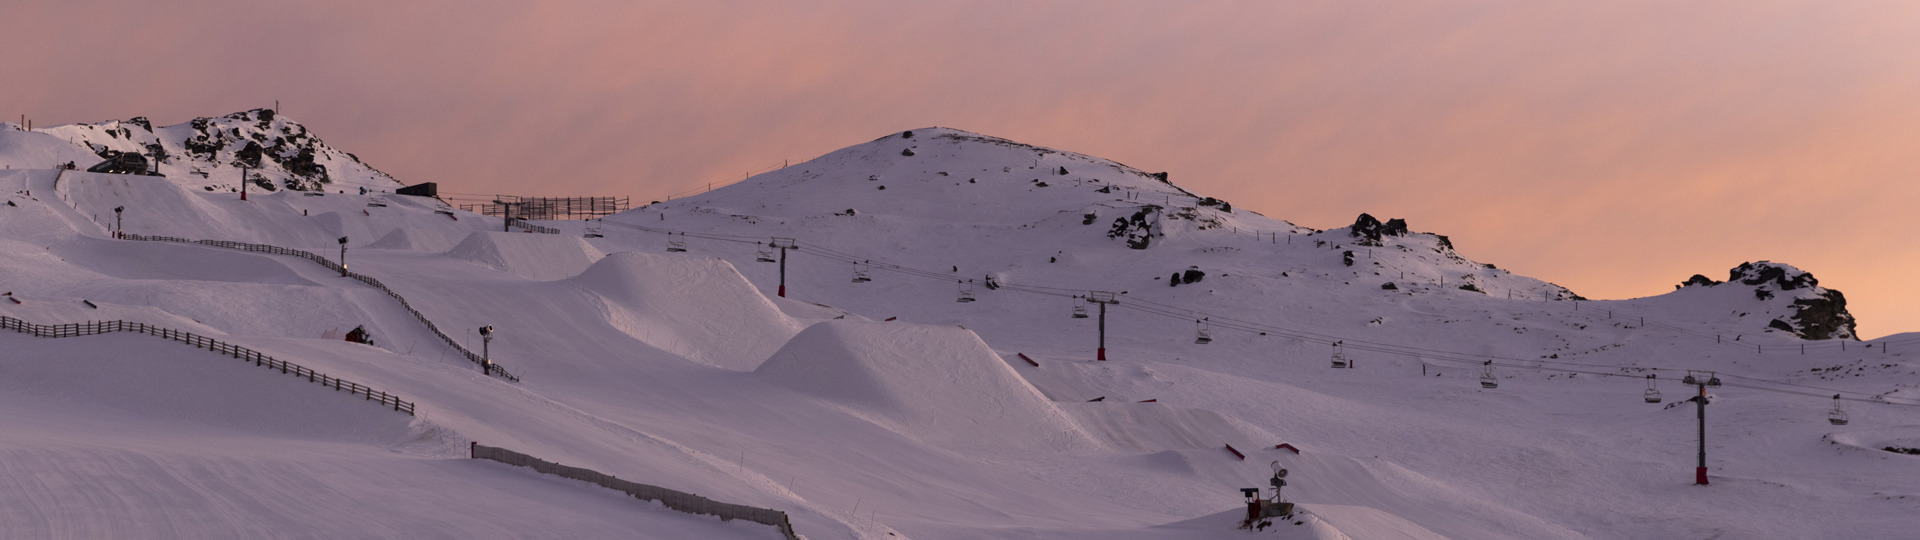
{"type": "Point", "coordinates": [1218, 321]}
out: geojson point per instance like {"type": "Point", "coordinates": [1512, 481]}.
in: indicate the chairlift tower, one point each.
{"type": "Point", "coordinates": [486, 343]}
{"type": "Point", "coordinates": [783, 244]}
{"type": "Point", "coordinates": [1103, 298]}
{"type": "Point", "coordinates": [1700, 405]}
{"type": "Point", "coordinates": [343, 256]}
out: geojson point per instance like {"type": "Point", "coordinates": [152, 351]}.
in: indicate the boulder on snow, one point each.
{"type": "Point", "coordinates": [1192, 275]}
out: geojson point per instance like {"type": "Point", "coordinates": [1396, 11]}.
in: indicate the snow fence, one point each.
{"type": "Point", "coordinates": [495, 369]}
{"type": "Point", "coordinates": [212, 345]}
{"type": "Point", "coordinates": [674, 499]}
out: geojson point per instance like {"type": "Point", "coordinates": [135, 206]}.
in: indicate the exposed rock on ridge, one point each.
{"type": "Point", "coordinates": [208, 152]}
{"type": "Point", "coordinates": [1819, 313]}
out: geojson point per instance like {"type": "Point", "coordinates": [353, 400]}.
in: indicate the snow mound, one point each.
{"type": "Point", "coordinates": [699, 308]}
{"type": "Point", "coordinates": [1153, 427]}
{"type": "Point", "coordinates": [414, 239]}
{"type": "Point", "coordinates": [936, 383]}
{"type": "Point", "coordinates": [540, 257]}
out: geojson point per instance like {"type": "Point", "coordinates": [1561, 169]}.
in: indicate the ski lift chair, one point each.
{"type": "Point", "coordinates": [1487, 380]}
{"type": "Point", "coordinates": [966, 292]}
{"type": "Point", "coordinates": [677, 243]}
{"type": "Point", "coordinates": [766, 253]}
{"type": "Point", "coordinates": [1200, 335]}
{"type": "Point", "coordinates": [1079, 308]}
{"type": "Point", "coordinates": [593, 231]}
{"type": "Point", "coordinates": [860, 273]}
{"type": "Point", "coordinates": [1653, 394]}
{"type": "Point", "coordinates": [1837, 416]}
{"type": "Point", "coordinates": [1340, 358]}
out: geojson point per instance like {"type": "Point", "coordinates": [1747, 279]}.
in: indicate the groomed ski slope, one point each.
{"type": "Point", "coordinates": [684, 370]}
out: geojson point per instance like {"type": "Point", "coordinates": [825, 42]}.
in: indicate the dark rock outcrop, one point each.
{"type": "Point", "coordinates": [1824, 317]}
{"type": "Point", "coordinates": [1782, 277]}
{"type": "Point", "coordinates": [1369, 229]}
{"type": "Point", "coordinates": [1697, 279]}
{"type": "Point", "coordinates": [1138, 229]}
{"type": "Point", "coordinates": [1819, 313]}
{"type": "Point", "coordinates": [1192, 275]}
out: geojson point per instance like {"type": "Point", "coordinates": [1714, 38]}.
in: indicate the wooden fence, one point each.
{"type": "Point", "coordinates": [210, 344]}
{"type": "Point", "coordinates": [495, 369]}
{"type": "Point", "coordinates": [542, 229]}
{"type": "Point", "coordinates": [674, 499]}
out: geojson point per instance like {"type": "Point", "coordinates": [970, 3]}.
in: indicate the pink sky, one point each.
{"type": "Point", "coordinates": [1612, 147]}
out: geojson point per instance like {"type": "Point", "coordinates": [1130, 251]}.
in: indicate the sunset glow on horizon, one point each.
{"type": "Point", "coordinates": [1614, 148]}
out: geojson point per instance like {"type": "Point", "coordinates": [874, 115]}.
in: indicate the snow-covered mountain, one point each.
{"type": "Point", "coordinates": [929, 372]}
{"type": "Point", "coordinates": [207, 153]}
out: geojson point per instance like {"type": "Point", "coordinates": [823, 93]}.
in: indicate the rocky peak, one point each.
{"type": "Point", "coordinates": [210, 151]}
{"type": "Point", "coordinates": [1819, 313]}
{"type": "Point", "coordinates": [1369, 229]}
{"type": "Point", "coordinates": [1781, 277]}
